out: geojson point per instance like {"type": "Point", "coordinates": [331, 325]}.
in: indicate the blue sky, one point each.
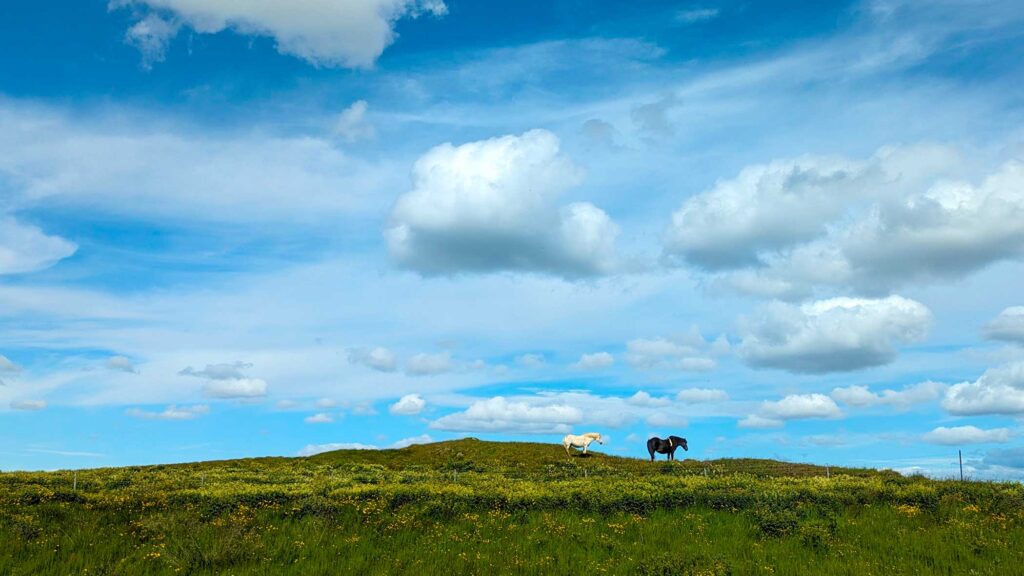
{"type": "Point", "coordinates": [781, 230]}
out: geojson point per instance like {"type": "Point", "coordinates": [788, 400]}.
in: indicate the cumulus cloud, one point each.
{"type": "Point", "coordinates": [350, 33]}
{"type": "Point", "coordinates": [237, 388]}
{"type": "Point", "coordinates": [408, 405]}
{"type": "Point", "coordinates": [687, 352]}
{"type": "Point", "coordinates": [798, 406]}
{"type": "Point", "coordinates": [595, 361]}
{"type": "Point", "coordinates": [702, 395]}
{"type": "Point", "coordinates": [224, 371]}
{"type": "Point", "coordinates": [792, 407]}
{"type": "Point", "coordinates": [29, 405]}
{"type": "Point", "coordinates": [1007, 326]}
{"type": "Point", "coordinates": [319, 418]}
{"type": "Point", "coordinates": [490, 205]}
{"type": "Point", "coordinates": [424, 364]}
{"type": "Point", "coordinates": [966, 435]}
{"type": "Point", "coordinates": [228, 381]}
{"type": "Point", "coordinates": [152, 35]}
{"type": "Point", "coordinates": [767, 207]}
{"type": "Point", "coordinates": [25, 248]}
{"type": "Point", "coordinates": [997, 391]}
{"type": "Point", "coordinates": [352, 124]}
{"type": "Point", "coordinates": [121, 364]}
{"type": "Point", "coordinates": [642, 398]}
{"type": "Point", "coordinates": [861, 397]}
{"type": "Point", "coordinates": [500, 415]}
{"type": "Point", "coordinates": [379, 358]}
{"type": "Point", "coordinates": [171, 413]}
{"type": "Point", "coordinates": [530, 360]}
{"type": "Point", "coordinates": [835, 335]}
{"type": "Point", "coordinates": [760, 422]}
{"type": "Point", "coordinates": [785, 228]}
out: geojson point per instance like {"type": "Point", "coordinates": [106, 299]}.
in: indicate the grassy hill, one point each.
{"type": "Point", "coordinates": [474, 507]}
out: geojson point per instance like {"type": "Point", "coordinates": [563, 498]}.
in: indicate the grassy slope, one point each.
{"type": "Point", "coordinates": [473, 507]}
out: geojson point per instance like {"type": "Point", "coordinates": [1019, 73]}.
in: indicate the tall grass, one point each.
{"type": "Point", "coordinates": [471, 507]}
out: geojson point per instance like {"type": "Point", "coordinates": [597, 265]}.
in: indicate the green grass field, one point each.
{"type": "Point", "coordinates": [473, 507]}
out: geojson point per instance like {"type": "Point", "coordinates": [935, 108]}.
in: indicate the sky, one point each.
{"type": "Point", "coordinates": [779, 229]}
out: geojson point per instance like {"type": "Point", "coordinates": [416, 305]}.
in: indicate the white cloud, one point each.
{"type": "Point", "coordinates": [152, 35]}
{"type": "Point", "coordinates": [530, 360]}
{"type": "Point", "coordinates": [688, 352]}
{"type": "Point", "coordinates": [408, 405]}
{"type": "Point", "coordinates": [959, 435]}
{"type": "Point", "coordinates": [1007, 326]}
{"type": "Point", "coordinates": [312, 449]}
{"type": "Point", "coordinates": [136, 164]}
{"type": "Point", "coordinates": [800, 406]}
{"type": "Point", "coordinates": [665, 419]}
{"type": "Point", "coordinates": [379, 358]}
{"type": "Point", "coordinates": [227, 380]}
{"type": "Point", "coordinates": [28, 404]}
{"type": "Point", "coordinates": [122, 364]}
{"type": "Point", "coordinates": [790, 227]}
{"type": "Point", "coordinates": [319, 418]}
{"type": "Point", "coordinates": [405, 442]}
{"type": "Point", "coordinates": [998, 391]}
{"type": "Point", "coordinates": [595, 361]}
{"type": "Point", "coordinates": [489, 205]}
{"type": "Point", "coordinates": [424, 364]}
{"type": "Point", "coordinates": [25, 248]}
{"type": "Point", "coordinates": [350, 33]}
{"type": "Point", "coordinates": [861, 397]}
{"type": "Point", "coordinates": [760, 422]}
{"type": "Point", "coordinates": [644, 399]}
{"type": "Point", "coordinates": [767, 207]}
{"type": "Point", "coordinates": [224, 371]}
{"type": "Point", "coordinates": [702, 395]}
{"type": "Point", "coordinates": [236, 388]}
{"type": "Point", "coordinates": [171, 413]}
{"type": "Point", "coordinates": [835, 335]}
{"type": "Point", "coordinates": [500, 415]}
{"type": "Point", "coordinates": [326, 403]}
{"type": "Point", "coordinates": [352, 124]}
{"type": "Point", "coordinates": [695, 15]}
{"type": "Point", "coordinates": [364, 409]}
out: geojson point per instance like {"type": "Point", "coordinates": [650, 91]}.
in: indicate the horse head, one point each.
{"type": "Point", "coordinates": [596, 436]}
{"type": "Point", "coordinates": [680, 442]}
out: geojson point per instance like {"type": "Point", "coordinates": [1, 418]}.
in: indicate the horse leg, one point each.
{"type": "Point", "coordinates": [585, 446]}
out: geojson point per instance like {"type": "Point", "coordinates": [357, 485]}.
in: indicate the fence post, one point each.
{"type": "Point", "coordinates": [960, 455]}
{"type": "Point", "coordinates": [74, 484]}
{"type": "Point", "coordinates": [828, 472]}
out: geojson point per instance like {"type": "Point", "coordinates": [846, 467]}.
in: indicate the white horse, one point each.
{"type": "Point", "coordinates": [582, 441]}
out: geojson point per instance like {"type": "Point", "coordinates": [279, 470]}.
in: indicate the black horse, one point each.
{"type": "Point", "coordinates": [666, 446]}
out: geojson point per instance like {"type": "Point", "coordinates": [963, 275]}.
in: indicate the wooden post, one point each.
{"type": "Point", "coordinates": [74, 484]}
{"type": "Point", "coordinates": [828, 472]}
{"type": "Point", "coordinates": [960, 454]}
